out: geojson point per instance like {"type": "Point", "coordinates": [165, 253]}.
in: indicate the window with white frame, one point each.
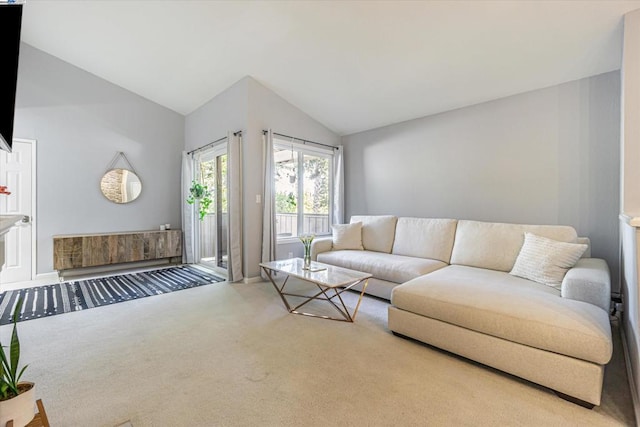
{"type": "Point", "coordinates": [303, 189]}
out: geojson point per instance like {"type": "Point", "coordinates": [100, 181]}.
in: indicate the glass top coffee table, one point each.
{"type": "Point", "coordinates": [331, 282]}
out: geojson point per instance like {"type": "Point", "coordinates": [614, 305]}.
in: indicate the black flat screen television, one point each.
{"type": "Point", "coordinates": [10, 24]}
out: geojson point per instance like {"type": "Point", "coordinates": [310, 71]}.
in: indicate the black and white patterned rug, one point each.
{"type": "Point", "coordinates": [64, 297]}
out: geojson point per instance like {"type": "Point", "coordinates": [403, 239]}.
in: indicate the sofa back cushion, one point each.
{"type": "Point", "coordinates": [585, 241]}
{"type": "Point", "coordinates": [496, 245]}
{"type": "Point", "coordinates": [425, 238]}
{"type": "Point", "coordinates": [377, 231]}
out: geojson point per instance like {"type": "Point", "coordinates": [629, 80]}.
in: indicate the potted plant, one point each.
{"type": "Point", "coordinates": [17, 399]}
{"type": "Point", "coordinates": [201, 194]}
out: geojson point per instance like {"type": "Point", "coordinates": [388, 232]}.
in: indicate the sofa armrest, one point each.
{"type": "Point", "coordinates": [323, 244]}
{"type": "Point", "coordinates": [588, 281]}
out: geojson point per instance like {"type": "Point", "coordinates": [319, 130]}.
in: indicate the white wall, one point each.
{"type": "Point", "coordinates": [249, 106]}
{"type": "Point", "coordinates": [80, 122]}
{"type": "Point", "coordinates": [630, 314]}
{"type": "Point", "coordinates": [630, 195]}
{"type": "Point", "coordinates": [545, 157]}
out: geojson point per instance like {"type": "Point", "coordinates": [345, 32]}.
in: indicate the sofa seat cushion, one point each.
{"type": "Point", "coordinates": [389, 267]}
{"type": "Point", "coordinates": [508, 307]}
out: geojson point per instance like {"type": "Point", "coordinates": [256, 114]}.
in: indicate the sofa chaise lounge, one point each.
{"type": "Point", "coordinates": [453, 284]}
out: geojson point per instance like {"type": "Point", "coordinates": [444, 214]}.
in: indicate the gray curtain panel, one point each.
{"type": "Point", "coordinates": [234, 200]}
{"type": "Point", "coordinates": [269, 201]}
{"type": "Point", "coordinates": [338, 186]}
{"type": "Point", "coordinates": [188, 217]}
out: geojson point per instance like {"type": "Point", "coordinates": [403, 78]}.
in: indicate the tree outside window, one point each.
{"type": "Point", "coordinates": [302, 175]}
{"type": "Point", "coordinates": [208, 178]}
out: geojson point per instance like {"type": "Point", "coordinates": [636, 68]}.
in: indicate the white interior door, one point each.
{"type": "Point", "coordinates": [16, 173]}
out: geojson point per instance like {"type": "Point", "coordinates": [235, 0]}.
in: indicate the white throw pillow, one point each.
{"type": "Point", "coordinates": [347, 236]}
{"type": "Point", "coordinates": [546, 260]}
{"type": "Point", "coordinates": [378, 231]}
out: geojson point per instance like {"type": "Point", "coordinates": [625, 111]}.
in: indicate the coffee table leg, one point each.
{"type": "Point", "coordinates": [348, 317]}
{"type": "Point", "coordinates": [364, 288]}
{"type": "Point", "coordinates": [284, 300]}
{"type": "Point", "coordinates": [344, 311]}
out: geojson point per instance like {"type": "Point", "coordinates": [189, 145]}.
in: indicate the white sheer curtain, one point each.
{"type": "Point", "coordinates": [234, 202]}
{"type": "Point", "coordinates": [338, 185]}
{"type": "Point", "coordinates": [269, 201]}
{"type": "Point", "coordinates": [188, 217]}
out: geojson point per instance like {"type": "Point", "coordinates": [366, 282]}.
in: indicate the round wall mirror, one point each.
{"type": "Point", "coordinates": [121, 185]}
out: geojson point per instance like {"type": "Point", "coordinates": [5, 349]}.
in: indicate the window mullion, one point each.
{"type": "Point", "coordinates": [300, 193]}
{"type": "Point", "coordinates": [331, 192]}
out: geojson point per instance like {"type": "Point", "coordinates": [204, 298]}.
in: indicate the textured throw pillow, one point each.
{"type": "Point", "coordinates": [545, 260]}
{"type": "Point", "coordinates": [347, 236]}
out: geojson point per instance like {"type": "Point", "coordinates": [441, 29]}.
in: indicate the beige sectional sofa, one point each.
{"type": "Point", "coordinates": [450, 286]}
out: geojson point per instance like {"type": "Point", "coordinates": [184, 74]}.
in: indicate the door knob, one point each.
{"type": "Point", "coordinates": [26, 219]}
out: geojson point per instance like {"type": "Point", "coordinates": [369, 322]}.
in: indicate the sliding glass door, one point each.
{"type": "Point", "coordinates": [212, 230]}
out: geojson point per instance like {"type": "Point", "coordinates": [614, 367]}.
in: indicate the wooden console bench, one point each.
{"type": "Point", "coordinates": [92, 250]}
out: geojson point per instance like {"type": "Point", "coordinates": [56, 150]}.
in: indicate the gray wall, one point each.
{"type": "Point", "coordinates": [269, 110]}
{"type": "Point", "coordinates": [249, 106]}
{"type": "Point", "coordinates": [80, 122]}
{"type": "Point", "coordinates": [549, 156]}
{"type": "Point", "coordinates": [213, 120]}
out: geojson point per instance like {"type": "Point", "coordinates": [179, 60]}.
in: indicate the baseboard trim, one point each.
{"type": "Point", "coordinates": [40, 279]}
{"type": "Point", "coordinates": [53, 275]}
{"type": "Point", "coordinates": [249, 280]}
{"type": "Point", "coordinates": [632, 383]}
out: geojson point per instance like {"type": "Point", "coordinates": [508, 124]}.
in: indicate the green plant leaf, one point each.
{"type": "Point", "coordinates": [14, 350]}
{"type": "Point", "coordinates": [5, 365]}
{"type": "Point", "coordinates": [200, 193]}
{"type": "Point", "coordinates": [20, 374]}
{"type": "Point", "coordinates": [14, 353]}
{"type": "Point", "coordinates": [9, 375]}
{"type": "Point", "coordinates": [4, 390]}
{"type": "Point", "coordinates": [4, 368]}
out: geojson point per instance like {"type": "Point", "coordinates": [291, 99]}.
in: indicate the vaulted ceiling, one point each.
{"type": "Point", "coordinates": [352, 65]}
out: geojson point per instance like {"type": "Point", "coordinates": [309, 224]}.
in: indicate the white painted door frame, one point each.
{"type": "Point", "coordinates": [34, 213]}
{"type": "Point", "coordinates": [33, 204]}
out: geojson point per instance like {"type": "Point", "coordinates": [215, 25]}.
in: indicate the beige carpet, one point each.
{"type": "Point", "coordinates": [231, 355]}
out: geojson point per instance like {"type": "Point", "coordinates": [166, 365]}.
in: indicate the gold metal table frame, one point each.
{"type": "Point", "coordinates": [331, 282]}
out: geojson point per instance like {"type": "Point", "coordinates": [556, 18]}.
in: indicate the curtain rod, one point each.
{"type": "Point", "coordinates": [304, 141]}
{"type": "Point", "coordinates": [204, 147]}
